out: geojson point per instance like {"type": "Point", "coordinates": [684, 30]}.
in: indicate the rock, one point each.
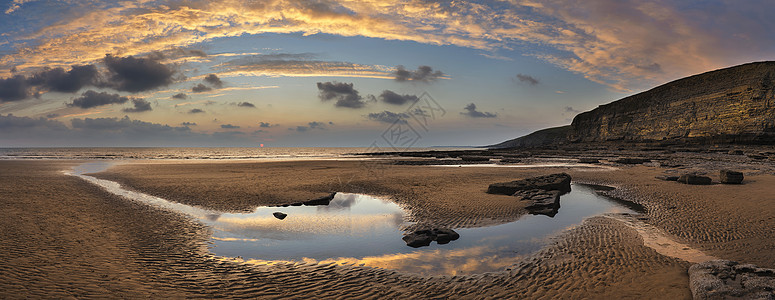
{"type": "Point", "coordinates": [559, 181]}
{"type": "Point", "coordinates": [631, 160]}
{"type": "Point", "coordinates": [667, 177]}
{"type": "Point", "coordinates": [735, 152]}
{"type": "Point", "coordinates": [756, 156]}
{"type": "Point", "coordinates": [423, 238]}
{"type": "Point", "coordinates": [444, 236]}
{"type": "Point", "coordinates": [723, 279]}
{"type": "Point", "coordinates": [279, 215]}
{"type": "Point", "coordinates": [474, 158]}
{"type": "Point", "coordinates": [694, 179]}
{"type": "Point", "coordinates": [325, 200]}
{"type": "Point", "coordinates": [730, 177]}
{"type": "Point", "coordinates": [587, 160]}
{"type": "Point", "coordinates": [419, 238]}
{"type": "Point", "coordinates": [542, 202]}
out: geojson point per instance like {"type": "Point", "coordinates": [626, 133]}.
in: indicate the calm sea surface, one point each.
{"type": "Point", "coordinates": [189, 153]}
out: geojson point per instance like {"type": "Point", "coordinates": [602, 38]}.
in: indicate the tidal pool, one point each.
{"type": "Point", "coordinates": [365, 230]}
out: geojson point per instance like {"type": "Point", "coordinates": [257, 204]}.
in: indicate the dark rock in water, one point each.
{"type": "Point", "coordinates": [423, 238]}
{"type": "Point", "coordinates": [587, 160]}
{"type": "Point", "coordinates": [723, 279]}
{"type": "Point", "coordinates": [297, 204]}
{"type": "Point", "coordinates": [730, 177]}
{"type": "Point", "coordinates": [279, 215]}
{"type": "Point", "coordinates": [560, 182]}
{"type": "Point", "coordinates": [631, 160]}
{"type": "Point", "coordinates": [542, 202]}
{"type": "Point", "coordinates": [474, 158]}
{"type": "Point", "coordinates": [694, 179]}
{"type": "Point", "coordinates": [444, 236]}
{"type": "Point", "coordinates": [667, 177]}
{"type": "Point", "coordinates": [325, 200]}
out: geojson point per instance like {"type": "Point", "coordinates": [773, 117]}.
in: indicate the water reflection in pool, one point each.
{"type": "Point", "coordinates": [360, 229]}
{"type": "Point", "coordinates": [368, 232]}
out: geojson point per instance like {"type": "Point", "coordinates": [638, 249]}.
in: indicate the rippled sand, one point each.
{"type": "Point", "coordinates": [63, 237]}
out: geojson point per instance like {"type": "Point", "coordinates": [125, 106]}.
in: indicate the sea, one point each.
{"type": "Point", "coordinates": [203, 153]}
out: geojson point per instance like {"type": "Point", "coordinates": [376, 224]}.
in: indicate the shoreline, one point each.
{"type": "Point", "coordinates": [437, 192]}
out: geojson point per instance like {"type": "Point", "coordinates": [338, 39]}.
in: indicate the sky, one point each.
{"type": "Point", "coordinates": [381, 74]}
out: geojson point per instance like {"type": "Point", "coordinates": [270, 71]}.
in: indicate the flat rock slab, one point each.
{"type": "Point", "coordinates": [559, 182]}
{"type": "Point", "coordinates": [667, 177]}
{"type": "Point", "coordinates": [542, 202]}
{"type": "Point", "coordinates": [723, 279]}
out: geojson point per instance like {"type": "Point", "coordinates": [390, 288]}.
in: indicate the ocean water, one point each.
{"type": "Point", "coordinates": [274, 153]}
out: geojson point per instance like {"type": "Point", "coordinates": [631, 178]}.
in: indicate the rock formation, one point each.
{"type": "Point", "coordinates": [732, 105]}
{"type": "Point", "coordinates": [730, 177]}
{"type": "Point", "coordinates": [723, 279]}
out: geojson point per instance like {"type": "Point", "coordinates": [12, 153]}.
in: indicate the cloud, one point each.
{"type": "Point", "coordinates": [246, 104]}
{"type": "Point", "coordinates": [229, 126]}
{"type": "Point", "coordinates": [180, 96]}
{"type": "Point", "coordinates": [569, 109]}
{"type": "Point", "coordinates": [140, 105]}
{"type": "Point", "coordinates": [195, 111]}
{"type": "Point", "coordinates": [391, 97]}
{"type": "Point", "coordinates": [14, 88]}
{"type": "Point", "coordinates": [200, 88]}
{"type": "Point", "coordinates": [188, 124]}
{"type": "Point", "coordinates": [91, 99]}
{"type": "Point", "coordinates": [134, 75]}
{"type": "Point", "coordinates": [310, 126]}
{"type": "Point", "coordinates": [423, 74]}
{"type": "Point", "coordinates": [20, 87]}
{"type": "Point", "coordinates": [214, 80]}
{"type": "Point", "coordinates": [265, 125]}
{"type": "Point", "coordinates": [300, 64]}
{"type": "Point", "coordinates": [473, 113]}
{"type": "Point", "coordinates": [614, 43]}
{"type": "Point", "coordinates": [344, 94]}
{"type": "Point", "coordinates": [527, 79]}
{"type": "Point", "coordinates": [58, 80]}
{"type": "Point", "coordinates": [103, 132]}
{"type": "Point", "coordinates": [11, 123]}
{"type": "Point", "coordinates": [388, 117]}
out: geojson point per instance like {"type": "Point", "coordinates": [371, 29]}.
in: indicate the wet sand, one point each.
{"type": "Point", "coordinates": [63, 237]}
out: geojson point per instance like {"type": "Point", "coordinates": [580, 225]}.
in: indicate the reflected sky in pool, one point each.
{"type": "Point", "coordinates": [365, 230]}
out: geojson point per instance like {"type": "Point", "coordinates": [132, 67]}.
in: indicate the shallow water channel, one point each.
{"type": "Point", "coordinates": [364, 230]}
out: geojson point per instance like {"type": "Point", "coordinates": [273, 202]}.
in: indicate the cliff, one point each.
{"type": "Point", "coordinates": [555, 135]}
{"type": "Point", "coordinates": [732, 105]}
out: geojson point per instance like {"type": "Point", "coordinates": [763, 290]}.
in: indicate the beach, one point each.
{"type": "Point", "coordinates": [64, 237]}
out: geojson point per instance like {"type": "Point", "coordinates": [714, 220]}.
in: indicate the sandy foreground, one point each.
{"type": "Point", "coordinates": [63, 237]}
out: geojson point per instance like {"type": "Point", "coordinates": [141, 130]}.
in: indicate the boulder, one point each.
{"type": "Point", "coordinates": [423, 238]}
{"type": "Point", "coordinates": [730, 177]}
{"type": "Point", "coordinates": [694, 179]}
{"type": "Point", "coordinates": [325, 200]}
{"type": "Point", "coordinates": [723, 279]}
{"type": "Point", "coordinates": [559, 181]}
{"type": "Point", "coordinates": [444, 236]}
{"type": "Point", "coordinates": [279, 215]}
{"type": "Point", "coordinates": [541, 202]}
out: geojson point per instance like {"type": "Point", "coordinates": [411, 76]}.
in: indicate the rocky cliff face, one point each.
{"type": "Point", "coordinates": [732, 105]}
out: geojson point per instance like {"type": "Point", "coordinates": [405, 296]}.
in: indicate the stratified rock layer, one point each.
{"type": "Point", "coordinates": [735, 104]}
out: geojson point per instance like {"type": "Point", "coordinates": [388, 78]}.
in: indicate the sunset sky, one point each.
{"type": "Point", "coordinates": [343, 73]}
